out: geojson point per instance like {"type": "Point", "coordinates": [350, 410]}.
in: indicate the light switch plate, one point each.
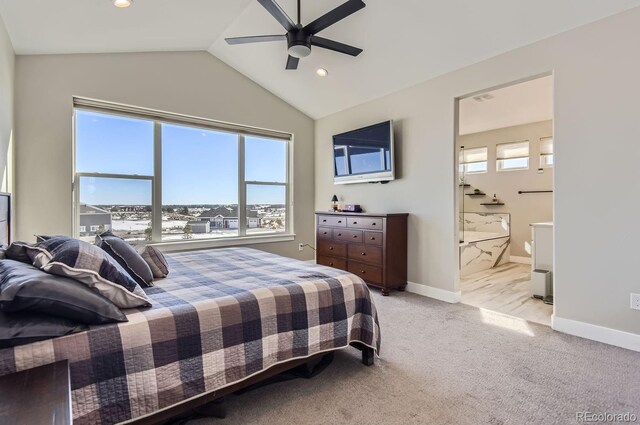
{"type": "Point", "coordinates": [635, 301]}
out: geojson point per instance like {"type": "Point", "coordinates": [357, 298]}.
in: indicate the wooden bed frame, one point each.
{"type": "Point", "coordinates": [189, 406]}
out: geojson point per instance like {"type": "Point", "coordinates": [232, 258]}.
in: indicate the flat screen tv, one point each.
{"type": "Point", "coordinates": [364, 155]}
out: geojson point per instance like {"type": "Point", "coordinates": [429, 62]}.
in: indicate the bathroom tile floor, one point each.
{"type": "Point", "coordinates": [505, 289]}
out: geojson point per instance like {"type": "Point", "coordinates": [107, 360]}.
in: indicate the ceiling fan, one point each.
{"type": "Point", "coordinates": [300, 39]}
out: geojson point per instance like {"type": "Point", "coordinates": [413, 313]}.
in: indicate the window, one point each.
{"type": "Point", "coordinates": [546, 152]}
{"type": "Point", "coordinates": [159, 177]}
{"type": "Point", "coordinates": [512, 156]}
{"type": "Point", "coordinates": [473, 160]}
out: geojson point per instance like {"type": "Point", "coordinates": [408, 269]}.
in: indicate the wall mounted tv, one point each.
{"type": "Point", "coordinates": [364, 155]}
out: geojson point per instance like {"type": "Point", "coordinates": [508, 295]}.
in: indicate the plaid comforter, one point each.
{"type": "Point", "coordinates": [221, 316]}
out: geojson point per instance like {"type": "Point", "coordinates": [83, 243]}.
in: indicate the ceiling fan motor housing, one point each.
{"type": "Point", "coordinates": [299, 43]}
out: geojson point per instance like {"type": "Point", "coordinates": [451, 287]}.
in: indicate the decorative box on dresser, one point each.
{"type": "Point", "coordinates": [372, 246]}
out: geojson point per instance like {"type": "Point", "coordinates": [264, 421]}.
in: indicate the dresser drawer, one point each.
{"type": "Point", "coordinates": [324, 232]}
{"type": "Point", "coordinates": [373, 238]}
{"type": "Point", "coordinates": [367, 272]}
{"type": "Point", "coordinates": [365, 253]}
{"type": "Point", "coordinates": [331, 220]}
{"type": "Point", "coordinates": [353, 236]}
{"type": "Point", "coordinates": [365, 223]}
{"type": "Point", "coordinates": [331, 248]}
{"type": "Point", "coordinates": [337, 263]}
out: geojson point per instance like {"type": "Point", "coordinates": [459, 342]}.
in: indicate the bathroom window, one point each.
{"type": "Point", "coordinates": [473, 160]}
{"type": "Point", "coordinates": [512, 156]}
{"type": "Point", "coordinates": [546, 152]}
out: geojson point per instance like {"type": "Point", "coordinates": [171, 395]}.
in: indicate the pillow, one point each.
{"type": "Point", "coordinates": [126, 256]}
{"type": "Point", "coordinates": [26, 288]}
{"type": "Point", "coordinates": [24, 328]}
{"type": "Point", "coordinates": [155, 259]}
{"type": "Point", "coordinates": [64, 256]}
{"type": "Point", "coordinates": [18, 251]}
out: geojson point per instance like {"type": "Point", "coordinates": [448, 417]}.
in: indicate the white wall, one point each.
{"type": "Point", "coordinates": [7, 65]}
{"type": "Point", "coordinates": [191, 83]}
{"type": "Point", "coordinates": [597, 134]}
{"type": "Point", "coordinates": [524, 209]}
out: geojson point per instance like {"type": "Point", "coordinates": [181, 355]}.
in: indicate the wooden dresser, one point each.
{"type": "Point", "coordinates": [372, 246]}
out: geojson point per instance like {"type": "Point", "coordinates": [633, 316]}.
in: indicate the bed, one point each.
{"type": "Point", "coordinates": [223, 319]}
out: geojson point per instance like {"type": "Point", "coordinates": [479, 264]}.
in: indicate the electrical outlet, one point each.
{"type": "Point", "coordinates": [635, 301]}
{"type": "Point", "coordinates": [300, 247]}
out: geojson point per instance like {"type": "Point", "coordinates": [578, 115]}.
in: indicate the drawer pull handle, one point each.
{"type": "Point", "coordinates": [373, 238]}
{"type": "Point", "coordinates": [330, 248]}
{"type": "Point", "coordinates": [364, 253]}
{"type": "Point", "coordinates": [373, 224]}
{"type": "Point", "coordinates": [331, 264]}
{"type": "Point", "coordinates": [324, 221]}
{"type": "Point", "coordinates": [355, 236]}
{"type": "Point", "coordinates": [363, 272]}
{"type": "Point", "coordinates": [355, 222]}
{"type": "Point", "coordinates": [339, 234]}
{"type": "Point", "coordinates": [324, 233]}
{"type": "Point", "coordinates": [339, 221]}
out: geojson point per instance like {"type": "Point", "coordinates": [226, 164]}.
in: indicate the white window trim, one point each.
{"type": "Point", "coordinates": [501, 169]}
{"type": "Point", "coordinates": [543, 155]}
{"type": "Point", "coordinates": [465, 168]}
{"type": "Point", "coordinates": [160, 117]}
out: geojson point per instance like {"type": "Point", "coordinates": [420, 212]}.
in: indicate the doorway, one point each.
{"type": "Point", "coordinates": [504, 167]}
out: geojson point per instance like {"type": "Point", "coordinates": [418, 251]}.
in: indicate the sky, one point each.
{"type": "Point", "coordinates": [199, 166]}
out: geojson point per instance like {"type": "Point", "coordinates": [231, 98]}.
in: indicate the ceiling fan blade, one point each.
{"type": "Point", "coordinates": [325, 43]}
{"type": "Point", "coordinates": [255, 39]}
{"type": "Point", "coordinates": [277, 12]}
{"type": "Point", "coordinates": [337, 14]}
{"type": "Point", "coordinates": [292, 63]}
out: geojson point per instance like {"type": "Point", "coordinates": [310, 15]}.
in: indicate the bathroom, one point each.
{"type": "Point", "coordinates": [505, 191]}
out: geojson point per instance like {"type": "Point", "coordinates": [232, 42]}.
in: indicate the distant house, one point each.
{"type": "Point", "coordinates": [227, 218]}
{"type": "Point", "coordinates": [198, 226]}
{"type": "Point", "coordinates": [93, 220]}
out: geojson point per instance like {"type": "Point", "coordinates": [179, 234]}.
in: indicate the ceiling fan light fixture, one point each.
{"type": "Point", "coordinates": [299, 51]}
{"type": "Point", "coordinates": [122, 3]}
{"type": "Point", "coordinates": [322, 72]}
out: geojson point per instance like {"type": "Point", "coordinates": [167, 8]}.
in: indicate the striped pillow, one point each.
{"type": "Point", "coordinates": [86, 263]}
{"type": "Point", "coordinates": [155, 259]}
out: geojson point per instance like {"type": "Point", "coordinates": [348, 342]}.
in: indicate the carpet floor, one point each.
{"type": "Point", "coordinates": [453, 364]}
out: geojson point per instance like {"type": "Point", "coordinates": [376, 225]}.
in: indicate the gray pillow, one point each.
{"type": "Point", "coordinates": [24, 328]}
{"type": "Point", "coordinates": [126, 256]}
{"type": "Point", "coordinates": [26, 288]}
{"type": "Point", "coordinates": [155, 259]}
{"type": "Point", "coordinates": [64, 256]}
{"type": "Point", "coordinates": [18, 251]}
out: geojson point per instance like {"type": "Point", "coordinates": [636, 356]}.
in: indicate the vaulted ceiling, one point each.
{"type": "Point", "coordinates": [404, 41]}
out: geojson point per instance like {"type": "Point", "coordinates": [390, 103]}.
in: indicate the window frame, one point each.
{"type": "Point", "coordinates": [543, 163]}
{"type": "Point", "coordinates": [159, 118]}
{"type": "Point", "coordinates": [465, 169]}
{"type": "Point", "coordinates": [499, 161]}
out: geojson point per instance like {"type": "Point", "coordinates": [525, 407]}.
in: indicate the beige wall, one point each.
{"type": "Point", "coordinates": [7, 64]}
{"type": "Point", "coordinates": [192, 83]}
{"type": "Point", "coordinates": [597, 134]}
{"type": "Point", "coordinates": [524, 209]}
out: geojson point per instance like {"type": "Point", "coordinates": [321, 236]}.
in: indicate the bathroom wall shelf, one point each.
{"type": "Point", "coordinates": [492, 203]}
{"type": "Point", "coordinates": [476, 194]}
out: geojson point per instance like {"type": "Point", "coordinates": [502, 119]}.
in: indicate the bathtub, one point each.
{"type": "Point", "coordinates": [485, 241]}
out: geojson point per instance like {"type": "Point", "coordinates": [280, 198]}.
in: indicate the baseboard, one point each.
{"type": "Point", "coordinates": [437, 293]}
{"type": "Point", "coordinates": [610, 336]}
{"type": "Point", "coordinates": [520, 260]}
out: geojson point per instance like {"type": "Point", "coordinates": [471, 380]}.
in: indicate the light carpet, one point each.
{"type": "Point", "coordinates": [453, 364]}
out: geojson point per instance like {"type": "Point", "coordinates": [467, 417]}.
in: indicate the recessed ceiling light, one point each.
{"type": "Point", "coordinates": [122, 3]}
{"type": "Point", "coordinates": [322, 72]}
